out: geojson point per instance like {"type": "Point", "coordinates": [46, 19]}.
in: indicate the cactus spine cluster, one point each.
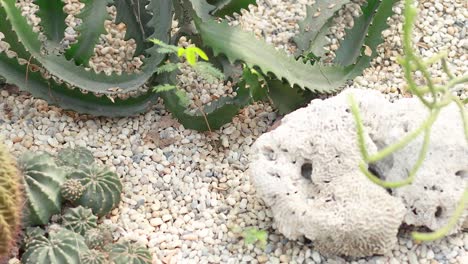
{"type": "Point", "coordinates": [72, 190]}
{"type": "Point", "coordinates": [10, 202]}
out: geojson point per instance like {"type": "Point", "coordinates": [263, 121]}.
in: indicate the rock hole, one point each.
{"type": "Point", "coordinates": [462, 173]}
{"type": "Point", "coordinates": [347, 110]}
{"type": "Point", "coordinates": [306, 170]}
{"type": "Point", "coordinates": [415, 211]}
{"type": "Point", "coordinates": [438, 212]}
{"type": "Point", "coordinates": [374, 169]}
{"type": "Point", "coordinates": [406, 127]}
{"type": "Point", "coordinates": [269, 154]}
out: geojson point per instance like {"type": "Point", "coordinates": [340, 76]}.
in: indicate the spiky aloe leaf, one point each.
{"type": "Point", "coordinates": [286, 98]}
{"type": "Point", "coordinates": [208, 117]}
{"type": "Point", "coordinates": [93, 15]}
{"type": "Point", "coordinates": [238, 45]}
{"type": "Point", "coordinates": [314, 28]}
{"type": "Point", "coordinates": [229, 7]}
{"type": "Point", "coordinates": [134, 15]}
{"type": "Point", "coordinates": [52, 18]}
{"type": "Point", "coordinates": [79, 76]}
{"type": "Point", "coordinates": [67, 98]}
{"type": "Point", "coordinates": [366, 33]}
{"type": "Point", "coordinates": [251, 81]}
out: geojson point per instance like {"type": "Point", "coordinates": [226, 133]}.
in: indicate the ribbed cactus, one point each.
{"type": "Point", "coordinates": [30, 234]}
{"type": "Point", "coordinates": [129, 253]}
{"type": "Point", "coordinates": [42, 179]}
{"type": "Point", "coordinates": [79, 220]}
{"type": "Point", "coordinates": [72, 190]}
{"type": "Point", "coordinates": [75, 157]}
{"type": "Point", "coordinates": [62, 246]}
{"type": "Point", "coordinates": [97, 238]}
{"type": "Point", "coordinates": [94, 257]}
{"type": "Point", "coordinates": [10, 202]}
{"type": "Point", "coordinates": [102, 188]}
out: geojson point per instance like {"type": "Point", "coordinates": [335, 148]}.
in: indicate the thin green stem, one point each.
{"type": "Point", "coordinates": [405, 141]}
{"type": "Point", "coordinates": [463, 114]}
{"type": "Point", "coordinates": [359, 128]}
{"type": "Point", "coordinates": [449, 226]}
{"type": "Point", "coordinates": [446, 69]}
{"type": "Point", "coordinates": [412, 174]}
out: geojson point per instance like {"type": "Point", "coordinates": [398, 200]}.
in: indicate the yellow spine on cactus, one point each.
{"type": "Point", "coordinates": [10, 202]}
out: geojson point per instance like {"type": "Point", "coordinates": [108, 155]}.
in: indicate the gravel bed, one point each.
{"type": "Point", "coordinates": [184, 191]}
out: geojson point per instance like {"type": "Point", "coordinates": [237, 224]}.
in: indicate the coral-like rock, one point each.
{"type": "Point", "coordinates": [307, 171]}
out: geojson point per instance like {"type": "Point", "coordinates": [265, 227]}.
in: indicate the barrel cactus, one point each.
{"type": "Point", "coordinates": [94, 257]}
{"type": "Point", "coordinates": [97, 238]}
{"type": "Point", "coordinates": [79, 220]}
{"type": "Point", "coordinates": [129, 253]}
{"type": "Point", "coordinates": [42, 180]}
{"type": "Point", "coordinates": [72, 190]}
{"type": "Point", "coordinates": [10, 202]}
{"type": "Point", "coordinates": [62, 246]}
{"type": "Point", "coordinates": [102, 188]}
{"type": "Point", "coordinates": [75, 157]}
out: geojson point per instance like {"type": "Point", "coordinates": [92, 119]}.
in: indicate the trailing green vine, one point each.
{"type": "Point", "coordinates": [434, 97]}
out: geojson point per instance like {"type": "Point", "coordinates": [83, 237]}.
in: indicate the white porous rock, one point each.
{"type": "Point", "coordinates": [307, 171]}
{"type": "Point", "coordinates": [439, 184]}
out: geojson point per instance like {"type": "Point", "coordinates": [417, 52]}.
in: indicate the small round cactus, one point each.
{"type": "Point", "coordinates": [75, 157]}
{"type": "Point", "coordinates": [72, 190]}
{"type": "Point", "coordinates": [102, 188]}
{"type": "Point", "coordinates": [42, 180]}
{"type": "Point", "coordinates": [79, 219]}
{"type": "Point", "coordinates": [129, 253]}
{"type": "Point", "coordinates": [94, 257]}
{"type": "Point", "coordinates": [97, 238]}
{"type": "Point", "coordinates": [10, 202]}
{"type": "Point", "coordinates": [61, 246]}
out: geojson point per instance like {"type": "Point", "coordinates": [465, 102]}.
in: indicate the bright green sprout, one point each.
{"type": "Point", "coordinates": [254, 235]}
{"type": "Point", "coordinates": [191, 54]}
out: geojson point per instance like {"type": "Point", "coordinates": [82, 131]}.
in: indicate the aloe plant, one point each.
{"type": "Point", "coordinates": [60, 77]}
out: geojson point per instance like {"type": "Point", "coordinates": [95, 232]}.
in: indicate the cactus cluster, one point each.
{"type": "Point", "coordinates": [78, 238]}
{"type": "Point", "coordinates": [60, 76]}
{"type": "Point", "coordinates": [10, 202]}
